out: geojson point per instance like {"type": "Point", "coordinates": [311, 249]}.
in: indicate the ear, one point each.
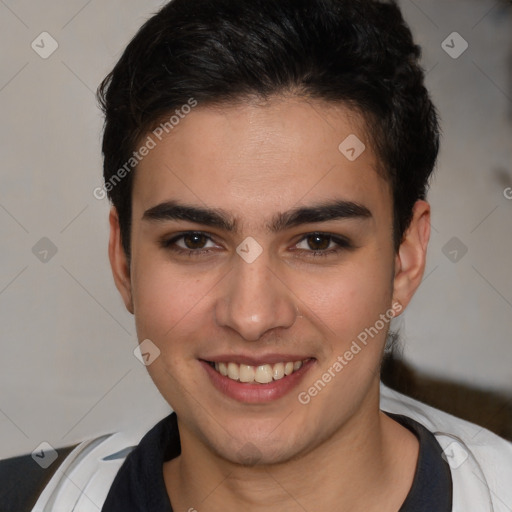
{"type": "Point", "coordinates": [412, 253]}
{"type": "Point", "coordinates": [119, 262]}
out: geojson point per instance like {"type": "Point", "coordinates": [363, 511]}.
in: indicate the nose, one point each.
{"type": "Point", "coordinates": [255, 300]}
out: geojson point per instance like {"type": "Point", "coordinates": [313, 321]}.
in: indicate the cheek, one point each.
{"type": "Point", "coordinates": [351, 298]}
{"type": "Point", "coordinates": [170, 310]}
{"type": "Point", "coordinates": [166, 300]}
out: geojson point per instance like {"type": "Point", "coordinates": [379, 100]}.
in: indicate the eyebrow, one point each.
{"type": "Point", "coordinates": [327, 211]}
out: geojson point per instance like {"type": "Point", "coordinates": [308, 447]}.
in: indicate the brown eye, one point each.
{"type": "Point", "coordinates": [191, 243]}
{"type": "Point", "coordinates": [323, 244]}
{"type": "Point", "coordinates": [195, 240]}
{"type": "Point", "coordinates": [318, 242]}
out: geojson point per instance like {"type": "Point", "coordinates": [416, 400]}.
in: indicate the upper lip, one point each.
{"type": "Point", "coordinates": [256, 361]}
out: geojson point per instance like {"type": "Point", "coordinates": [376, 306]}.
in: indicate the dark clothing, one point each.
{"type": "Point", "coordinates": [139, 484]}
{"type": "Point", "coordinates": [22, 480]}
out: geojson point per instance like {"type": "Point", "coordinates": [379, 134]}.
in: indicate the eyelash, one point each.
{"type": "Point", "coordinates": [169, 244]}
{"type": "Point", "coordinates": [342, 244]}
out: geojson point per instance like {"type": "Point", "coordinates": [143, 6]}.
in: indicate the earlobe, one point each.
{"type": "Point", "coordinates": [119, 262]}
{"type": "Point", "coordinates": [412, 253]}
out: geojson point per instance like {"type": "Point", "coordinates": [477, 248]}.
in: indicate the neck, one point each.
{"type": "Point", "coordinates": [367, 465]}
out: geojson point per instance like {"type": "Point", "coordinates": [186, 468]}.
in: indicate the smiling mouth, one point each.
{"type": "Point", "coordinates": [262, 374]}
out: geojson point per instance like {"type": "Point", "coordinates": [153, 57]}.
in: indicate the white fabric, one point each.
{"type": "Point", "coordinates": [480, 462]}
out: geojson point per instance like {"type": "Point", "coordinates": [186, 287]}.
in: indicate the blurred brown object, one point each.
{"type": "Point", "coordinates": [489, 409]}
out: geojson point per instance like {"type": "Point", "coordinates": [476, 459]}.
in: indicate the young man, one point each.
{"type": "Point", "coordinates": [268, 163]}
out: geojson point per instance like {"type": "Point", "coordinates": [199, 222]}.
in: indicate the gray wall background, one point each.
{"type": "Point", "coordinates": [67, 369]}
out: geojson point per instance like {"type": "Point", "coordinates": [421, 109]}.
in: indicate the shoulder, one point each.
{"type": "Point", "coordinates": [79, 479]}
{"type": "Point", "coordinates": [24, 477]}
{"type": "Point", "coordinates": [480, 461]}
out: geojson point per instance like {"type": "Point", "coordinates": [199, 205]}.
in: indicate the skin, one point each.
{"type": "Point", "coordinates": [253, 161]}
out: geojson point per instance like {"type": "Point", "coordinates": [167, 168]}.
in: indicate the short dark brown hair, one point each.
{"type": "Point", "coordinates": [356, 52]}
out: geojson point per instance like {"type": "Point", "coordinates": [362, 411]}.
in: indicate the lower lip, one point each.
{"type": "Point", "coordinates": [256, 393]}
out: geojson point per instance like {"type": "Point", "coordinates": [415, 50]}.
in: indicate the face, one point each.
{"type": "Point", "coordinates": [255, 243]}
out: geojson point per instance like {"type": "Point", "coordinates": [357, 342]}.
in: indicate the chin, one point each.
{"type": "Point", "coordinates": [258, 450]}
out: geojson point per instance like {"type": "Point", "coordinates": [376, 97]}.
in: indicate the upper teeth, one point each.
{"type": "Point", "coordinates": [262, 374]}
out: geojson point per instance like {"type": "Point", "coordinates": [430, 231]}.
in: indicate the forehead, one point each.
{"type": "Point", "coordinates": [257, 158]}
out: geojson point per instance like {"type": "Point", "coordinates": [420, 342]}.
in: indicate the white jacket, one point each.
{"type": "Point", "coordinates": [480, 462]}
